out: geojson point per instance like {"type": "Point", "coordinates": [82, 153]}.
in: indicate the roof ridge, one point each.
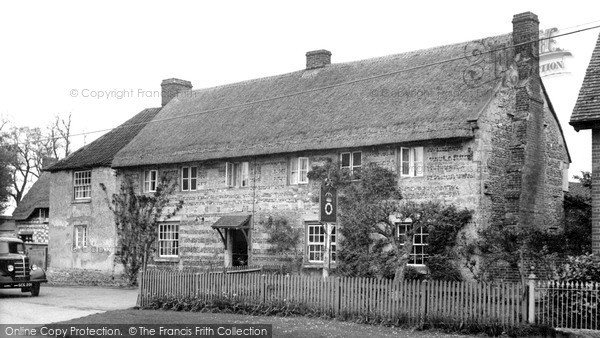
{"type": "Point", "coordinates": [375, 59]}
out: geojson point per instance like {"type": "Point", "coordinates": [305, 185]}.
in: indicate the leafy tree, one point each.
{"type": "Point", "coordinates": [377, 184]}
{"type": "Point", "coordinates": [369, 210]}
{"type": "Point", "coordinates": [284, 239]}
{"type": "Point", "coordinates": [585, 179]}
{"type": "Point", "coordinates": [136, 218]}
{"type": "Point", "coordinates": [282, 236]}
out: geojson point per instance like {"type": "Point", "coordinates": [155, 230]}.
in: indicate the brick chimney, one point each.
{"type": "Point", "coordinates": [526, 170]}
{"type": "Point", "coordinates": [47, 162]}
{"type": "Point", "coordinates": [318, 58]}
{"type": "Point", "coordinates": [172, 87]}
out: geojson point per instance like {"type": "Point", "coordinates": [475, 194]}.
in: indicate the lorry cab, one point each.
{"type": "Point", "coordinates": [15, 270]}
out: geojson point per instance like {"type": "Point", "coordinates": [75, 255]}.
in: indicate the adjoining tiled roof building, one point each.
{"type": "Point", "coordinates": [586, 115]}
{"type": "Point", "coordinates": [469, 124]}
{"type": "Point", "coordinates": [31, 215]}
{"type": "Point", "coordinates": [80, 220]}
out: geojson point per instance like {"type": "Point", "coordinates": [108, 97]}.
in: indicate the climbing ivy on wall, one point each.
{"type": "Point", "coordinates": [136, 218]}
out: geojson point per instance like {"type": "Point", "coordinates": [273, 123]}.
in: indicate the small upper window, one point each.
{"type": "Point", "coordinates": [352, 162]}
{"type": "Point", "coordinates": [82, 185]}
{"type": "Point", "coordinates": [189, 178]}
{"type": "Point", "coordinates": [150, 179]}
{"type": "Point", "coordinates": [237, 174]}
{"type": "Point", "coordinates": [411, 161]}
{"type": "Point", "coordinates": [299, 170]}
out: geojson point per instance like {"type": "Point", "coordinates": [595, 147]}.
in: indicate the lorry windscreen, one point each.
{"type": "Point", "coordinates": [12, 247]}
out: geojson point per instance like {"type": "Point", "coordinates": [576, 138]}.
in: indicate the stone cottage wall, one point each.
{"type": "Point", "coordinates": [66, 213]}
{"type": "Point", "coordinates": [451, 175]}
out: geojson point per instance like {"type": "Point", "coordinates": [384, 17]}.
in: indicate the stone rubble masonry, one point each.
{"type": "Point", "coordinates": [527, 160]}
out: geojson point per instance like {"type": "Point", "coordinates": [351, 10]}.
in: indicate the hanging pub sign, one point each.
{"type": "Point", "coordinates": [328, 205]}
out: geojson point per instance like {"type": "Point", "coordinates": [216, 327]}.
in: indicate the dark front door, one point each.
{"type": "Point", "coordinates": [239, 248]}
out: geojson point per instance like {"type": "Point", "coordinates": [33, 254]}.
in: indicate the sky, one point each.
{"type": "Point", "coordinates": [61, 57]}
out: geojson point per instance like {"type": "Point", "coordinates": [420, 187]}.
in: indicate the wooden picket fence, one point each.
{"type": "Point", "coordinates": [570, 305]}
{"type": "Point", "coordinates": [416, 301]}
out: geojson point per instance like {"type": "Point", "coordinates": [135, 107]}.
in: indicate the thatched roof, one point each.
{"type": "Point", "coordinates": [586, 113]}
{"type": "Point", "coordinates": [102, 150]}
{"type": "Point", "coordinates": [426, 103]}
{"type": "Point", "coordinates": [38, 196]}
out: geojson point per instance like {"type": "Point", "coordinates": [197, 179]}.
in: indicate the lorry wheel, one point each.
{"type": "Point", "coordinates": [35, 289]}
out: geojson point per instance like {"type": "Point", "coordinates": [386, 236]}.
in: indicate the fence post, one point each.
{"type": "Point", "coordinates": [337, 295]}
{"type": "Point", "coordinates": [423, 294]}
{"type": "Point", "coordinates": [264, 288]}
{"type": "Point", "coordinates": [140, 301]}
{"type": "Point", "coordinates": [531, 302]}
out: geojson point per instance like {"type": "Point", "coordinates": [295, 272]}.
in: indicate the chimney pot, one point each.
{"type": "Point", "coordinates": [172, 87]}
{"type": "Point", "coordinates": [318, 58]}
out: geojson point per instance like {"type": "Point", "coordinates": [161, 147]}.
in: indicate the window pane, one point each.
{"type": "Point", "coordinates": [405, 160]}
{"type": "Point", "coordinates": [418, 154]}
{"type": "Point", "coordinates": [193, 178]}
{"type": "Point", "coordinates": [185, 172]}
{"type": "Point", "coordinates": [357, 159]}
{"type": "Point", "coordinates": [245, 173]}
{"type": "Point", "coordinates": [229, 174]}
{"type": "Point", "coordinates": [303, 170]}
{"type": "Point", "coordinates": [185, 184]}
{"type": "Point", "coordinates": [418, 161]}
{"type": "Point", "coordinates": [345, 160]}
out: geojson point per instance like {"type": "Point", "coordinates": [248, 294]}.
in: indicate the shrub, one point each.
{"type": "Point", "coordinates": [441, 268]}
{"type": "Point", "coordinates": [228, 304]}
{"type": "Point", "coordinates": [413, 274]}
{"type": "Point", "coordinates": [580, 269]}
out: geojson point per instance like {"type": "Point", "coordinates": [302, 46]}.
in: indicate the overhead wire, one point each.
{"type": "Point", "coordinates": [345, 83]}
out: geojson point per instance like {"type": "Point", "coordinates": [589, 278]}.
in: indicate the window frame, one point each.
{"type": "Point", "coordinates": [150, 180]}
{"type": "Point", "coordinates": [297, 174]}
{"type": "Point", "coordinates": [81, 183]}
{"type": "Point", "coordinates": [26, 238]}
{"type": "Point", "coordinates": [191, 179]}
{"type": "Point", "coordinates": [412, 163]}
{"type": "Point", "coordinates": [237, 174]}
{"type": "Point", "coordinates": [412, 257]}
{"type": "Point", "coordinates": [171, 232]}
{"type": "Point", "coordinates": [352, 167]}
{"type": "Point", "coordinates": [318, 247]}
{"type": "Point", "coordinates": [76, 232]}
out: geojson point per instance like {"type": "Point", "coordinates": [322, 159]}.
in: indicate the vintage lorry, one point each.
{"type": "Point", "coordinates": [15, 270]}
